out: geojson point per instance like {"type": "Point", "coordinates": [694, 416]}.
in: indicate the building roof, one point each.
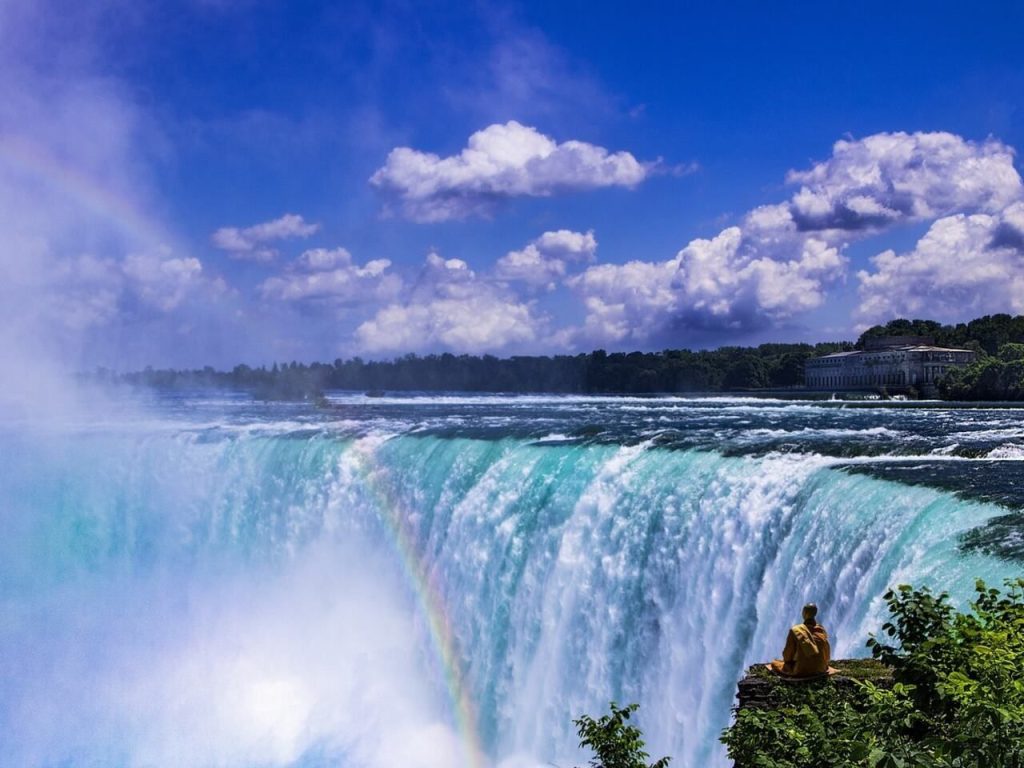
{"type": "Point", "coordinates": [839, 354]}
{"type": "Point", "coordinates": [883, 342]}
{"type": "Point", "coordinates": [931, 348]}
{"type": "Point", "coordinates": [901, 348]}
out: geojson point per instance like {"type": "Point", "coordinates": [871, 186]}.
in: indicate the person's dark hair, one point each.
{"type": "Point", "coordinates": [810, 613]}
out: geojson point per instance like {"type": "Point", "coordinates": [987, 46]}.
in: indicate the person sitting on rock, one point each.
{"type": "Point", "coordinates": [807, 652]}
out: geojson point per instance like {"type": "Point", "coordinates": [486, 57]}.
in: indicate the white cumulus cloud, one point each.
{"type": "Point", "coordinates": [627, 301]}
{"type": "Point", "coordinates": [731, 282]}
{"type": "Point", "coordinates": [888, 177]}
{"type": "Point", "coordinates": [782, 258]}
{"type": "Point", "coordinates": [545, 261]}
{"type": "Point", "coordinates": [451, 307]}
{"type": "Point", "coordinates": [731, 277]}
{"type": "Point", "coordinates": [251, 242]}
{"type": "Point", "coordinates": [566, 244]}
{"type": "Point", "coordinates": [322, 274]}
{"type": "Point", "coordinates": [501, 161]}
{"type": "Point", "coordinates": [964, 266]}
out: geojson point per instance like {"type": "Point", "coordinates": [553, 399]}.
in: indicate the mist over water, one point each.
{"type": "Point", "coordinates": [217, 582]}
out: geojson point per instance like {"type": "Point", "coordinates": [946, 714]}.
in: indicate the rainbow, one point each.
{"type": "Point", "coordinates": [98, 198]}
{"type": "Point", "coordinates": [38, 162]}
{"type": "Point", "coordinates": [431, 599]}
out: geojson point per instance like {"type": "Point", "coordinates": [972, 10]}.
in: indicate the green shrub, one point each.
{"type": "Point", "coordinates": [957, 700]}
{"type": "Point", "coordinates": [1011, 352]}
{"type": "Point", "coordinates": [615, 744]}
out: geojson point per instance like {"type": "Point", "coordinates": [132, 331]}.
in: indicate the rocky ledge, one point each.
{"type": "Point", "coordinates": [758, 685]}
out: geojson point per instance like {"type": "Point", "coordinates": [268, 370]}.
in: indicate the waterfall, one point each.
{"type": "Point", "coordinates": [250, 597]}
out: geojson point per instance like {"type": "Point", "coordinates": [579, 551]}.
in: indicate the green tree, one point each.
{"type": "Point", "coordinates": [747, 372]}
{"type": "Point", "coordinates": [1011, 352]}
{"type": "Point", "coordinates": [990, 378]}
{"type": "Point", "coordinates": [614, 742]}
{"type": "Point", "coordinates": [956, 701]}
{"type": "Point", "coordinates": [789, 369]}
{"type": "Point", "coordinates": [903, 327]}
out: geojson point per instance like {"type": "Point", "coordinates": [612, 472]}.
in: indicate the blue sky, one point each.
{"type": "Point", "coordinates": [214, 182]}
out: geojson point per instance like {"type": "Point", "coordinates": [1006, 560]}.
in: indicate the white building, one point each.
{"type": "Point", "coordinates": [894, 362]}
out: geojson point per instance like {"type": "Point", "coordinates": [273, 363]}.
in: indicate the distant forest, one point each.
{"type": "Point", "coordinates": [998, 374]}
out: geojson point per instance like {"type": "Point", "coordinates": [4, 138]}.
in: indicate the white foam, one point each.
{"type": "Point", "coordinates": [554, 437]}
{"type": "Point", "coordinates": [1007, 451]}
{"type": "Point", "coordinates": [825, 433]}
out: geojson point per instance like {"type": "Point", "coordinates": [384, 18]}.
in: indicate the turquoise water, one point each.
{"type": "Point", "coordinates": [210, 581]}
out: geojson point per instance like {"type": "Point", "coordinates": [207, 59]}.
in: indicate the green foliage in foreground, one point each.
{"type": "Point", "coordinates": [957, 700]}
{"type": "Point", "coordinates": [615, 744]}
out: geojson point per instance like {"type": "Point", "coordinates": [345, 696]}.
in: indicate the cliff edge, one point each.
{"type": "Point", "coordinates": [756, 689]}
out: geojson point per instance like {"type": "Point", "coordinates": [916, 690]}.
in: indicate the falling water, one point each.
{"type": "Point", "coordinates": [447, 582]}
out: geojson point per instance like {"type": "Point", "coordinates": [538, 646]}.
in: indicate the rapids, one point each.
{"type": "Point", "coordinates": [448, 581]}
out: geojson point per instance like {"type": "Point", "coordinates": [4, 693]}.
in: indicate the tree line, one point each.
{"type": "Point", "coordinates": [769, 366]}
{"type": "Point", "coordinates": [998, 373]}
